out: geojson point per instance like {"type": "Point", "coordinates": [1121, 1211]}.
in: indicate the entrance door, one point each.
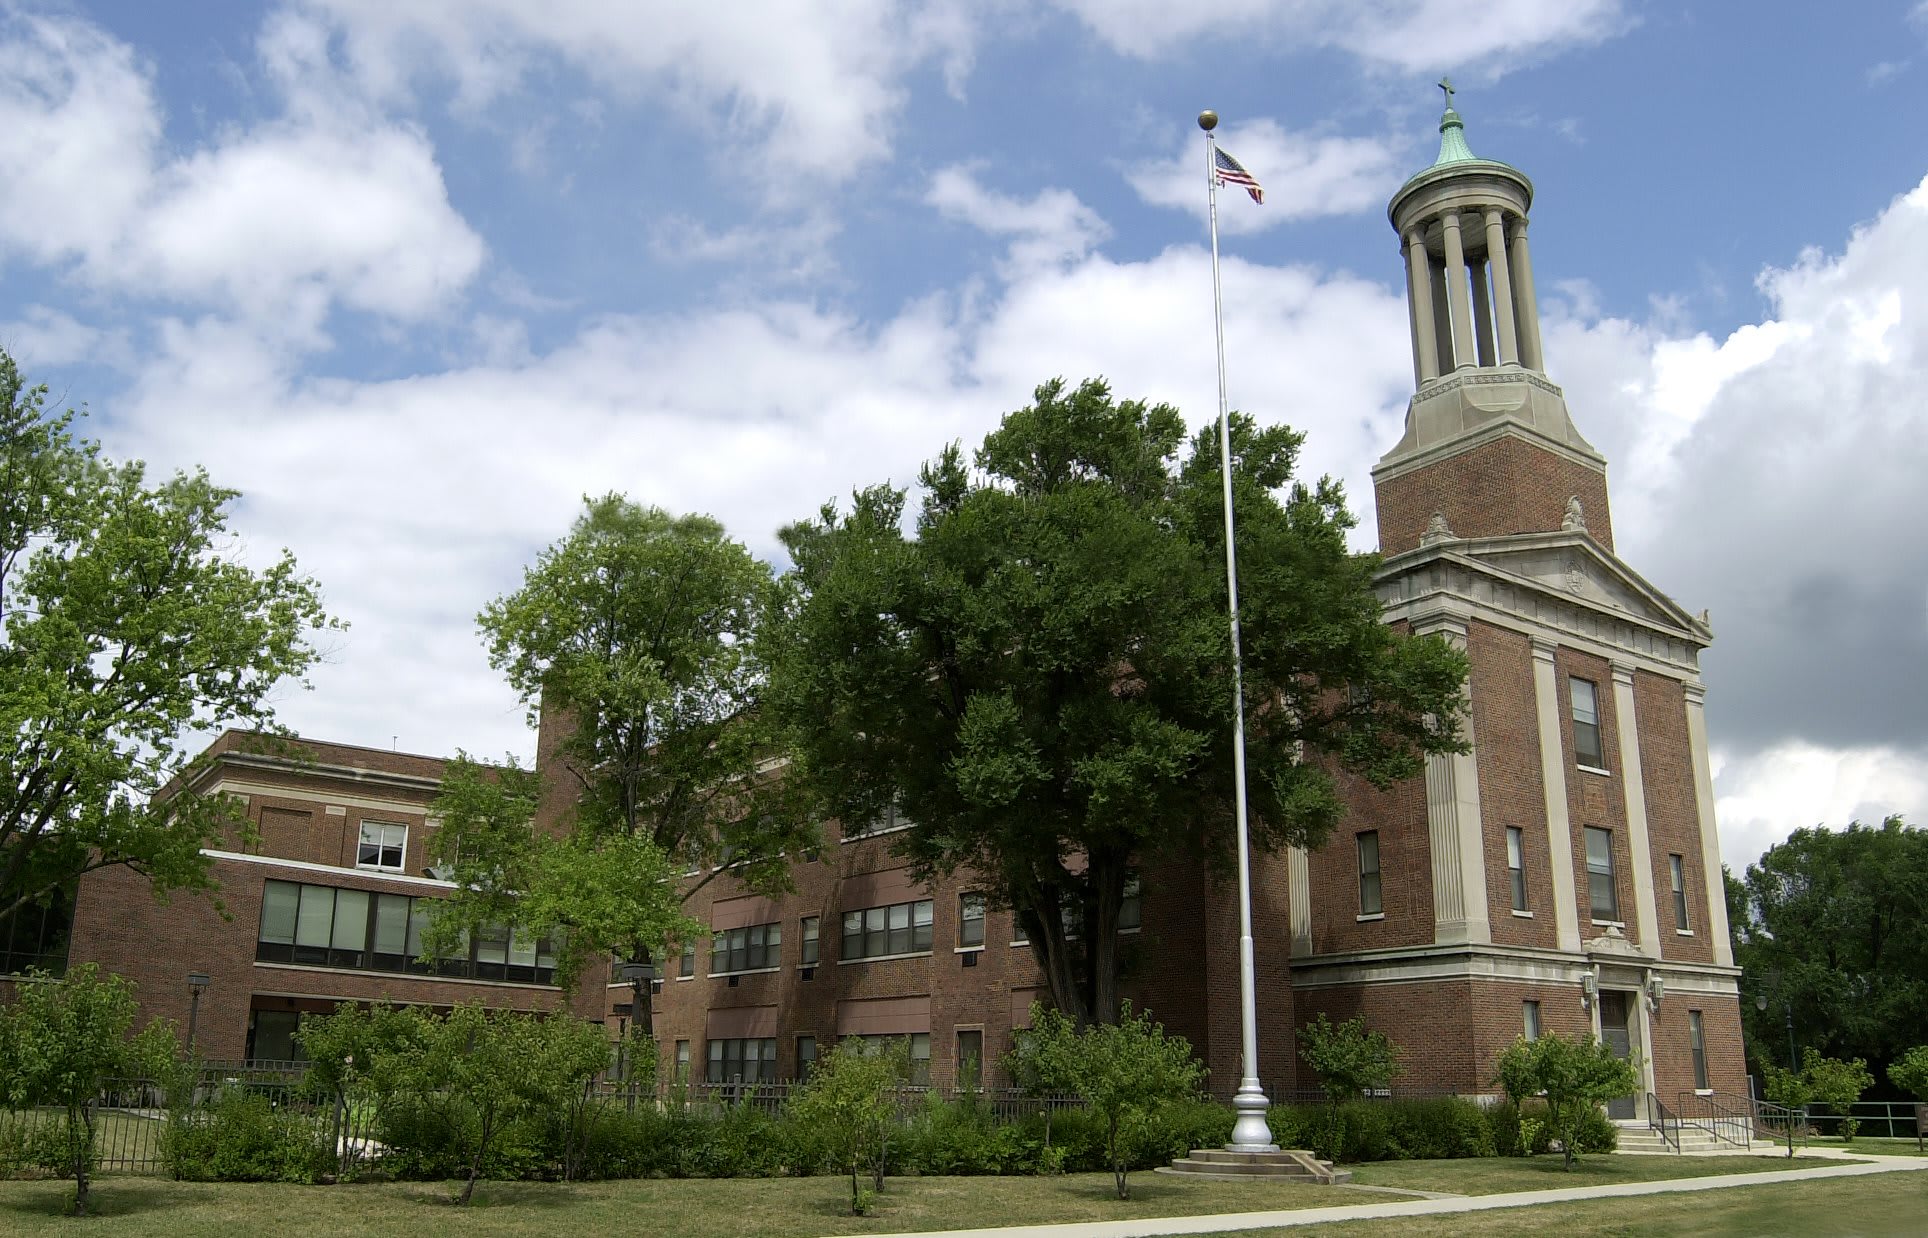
{"type": "Point", "coordinates": [1618, 1036]}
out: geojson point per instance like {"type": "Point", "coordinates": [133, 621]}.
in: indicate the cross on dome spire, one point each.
{"type": "Point", "coordinates": [1446, 84]}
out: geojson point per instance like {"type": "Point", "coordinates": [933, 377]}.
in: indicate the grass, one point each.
{"type": "Point", "coordinates": [690, 1208]}
{"type": "Point", "coordinates": [1867, 1144]}
{"type": "Point", "coordinates": [1876, 1206]}
{"type": "Point", "coordinates": [1544, 1173]}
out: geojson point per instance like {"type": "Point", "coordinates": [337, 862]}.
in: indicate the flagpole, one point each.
{"type": "Point", "coordinates": [1251, 1132]}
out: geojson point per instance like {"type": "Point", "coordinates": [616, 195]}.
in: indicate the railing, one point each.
{"type": "Point", "coordinates": [1726, 1117]}
{"type": "Point", "coordinates": [1663, 1121]}
{"type": "Point", "coordinates": [1778, 1122]}
{"type": "Point", "coordinates": [1878, 1119]}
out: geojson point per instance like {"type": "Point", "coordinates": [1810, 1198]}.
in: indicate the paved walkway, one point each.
{"type": "Point", "coordinates": [1153, 1227]}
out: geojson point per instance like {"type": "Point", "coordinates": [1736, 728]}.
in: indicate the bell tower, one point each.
{"type": "Point", "coordinates": [1489, 447]}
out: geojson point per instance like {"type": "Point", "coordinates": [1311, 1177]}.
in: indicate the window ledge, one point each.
{"type": "Point", "coordinates": [403, 975]}
{"type": "Point", "coordinates": [1126, 932]}
{"type": "Point", "coordinates": [1683, 932]}
{"type": "Point", "coordinates": [1593, 769]}
{"type": "Point", "coordinates": [884, 958]}
{"type": "Point", "coordinates": [1022, 943]}
{"type": "Point", "coordinates": [748, 971]}
{"type": "Point", "coordinates": [1703, 1091]}
{"type": "Point", "coordinates": [679, 979]}
{"type": "Point", "coordinates": [1377, 915]}
{"type": "Point", "coordinates": [967, 950]}
{"type": "Point", "coordinates": [895, 829]}
{"type": "Point", "coordinates": [1619, 924]}
{"type": "Point", "coordinates": [383, 868]}
{"type": "Point", "coordinates": [1524, 915]}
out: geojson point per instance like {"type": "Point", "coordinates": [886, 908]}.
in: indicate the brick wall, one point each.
{"type": "Point", "coordinates": [1506, 485]}
{"type": "Point", "coordinates": [1596, 799]}
{"type": "Point", "coordinates": [1673, 814]}
{"type": "Point", "coordinates": [1512, 792]}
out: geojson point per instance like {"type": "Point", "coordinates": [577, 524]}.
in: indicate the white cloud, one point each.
{"type": "Point", "coordinates": [43, 336]}
{"type": "Point", "coordinates": [1761, 797]}
{"type": "Point", "coordinates": [806, 88]}
{"type": "Point", "coordinates": [1413, 35]}
{"type": "Point", "coordinates": [1052, 228]}
{"type": "Point", "coordinates": [325, 205]}
{"type": "Point", "coordinates": [1303, 176]}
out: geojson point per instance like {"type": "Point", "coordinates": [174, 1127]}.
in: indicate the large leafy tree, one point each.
{"type": "Point", "coordinates": [633, 635]}
{"type": "Point", "coordinates": [127, 622]}
{"type": "Point", "coordinates": [1039, 675]}
{"type": "Point", "coordinates": [1829, 924]}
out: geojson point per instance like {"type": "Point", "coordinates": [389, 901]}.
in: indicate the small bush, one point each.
{"type": "Point", "coordinates": [244, 1137]}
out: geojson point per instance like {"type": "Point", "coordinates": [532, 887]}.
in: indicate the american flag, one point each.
{"type": "Point", "coordinates": [1232, 172]}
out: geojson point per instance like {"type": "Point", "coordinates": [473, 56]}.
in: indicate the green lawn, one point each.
{"type": "Point", "coordinates": [691, 1208]}
{"type": "Point", "coordinates": [1544, 1173]}
{"type": "Point", "coordinates": [1864, 1143]}
{"type": "Point", "coordinates": [1877, 1206]}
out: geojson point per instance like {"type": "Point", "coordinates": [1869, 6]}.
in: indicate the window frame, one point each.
{"type": "Point", "coordinates": [1516, 867]}
{"type": "Point", "coordinates": [1610, 874]}
{"type": "Point", "coordinates": [1369, 878]}
{"type": "Point", "coordinates": [972, 915]}
{"type": "Point", "coordinates": [1530, 1023]}
{"type": "Point", "coordinates": [746, 948]}
{"type": "Point", "coordinates": [1597, 748]}
{"type": "Point", "coordinates": [1677, 878]}
{"type": "Point", "coordinates": [877, 928]}
{"type": "Point", "coordinates": [1697, 1045]}
{"type": "Point", "coordinates": [720, 1053]}
{"type": "Point", "coordinates": [332, 937]}
{"type": "Point", "coordinates": [810, 940]}
{"type": "Point", "coordinates": [381, 846]}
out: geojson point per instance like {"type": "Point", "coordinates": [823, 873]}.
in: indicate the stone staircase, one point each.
{"type": "Point", "coordinates": [1639, 1139]}
{"type": "Point", "coordinates": [1227, 1164]}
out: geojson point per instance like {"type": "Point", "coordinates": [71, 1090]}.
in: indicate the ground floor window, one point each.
{"type": "Point", "coordinates": [1699, 1039]}
{"type": "Point", "coordinates": [743, 1060]}
{"type": "Point", "coordinates": [920, 1052]}
{"type": "Point", "coordinates": [271, 1036]}
{"type": "Point", "coordinates": [970, 1059]}
{"type": "Point", "coordinates": [36, 936]}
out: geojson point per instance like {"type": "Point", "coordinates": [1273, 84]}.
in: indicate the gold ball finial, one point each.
{"type": "Point", "coordinates": [1208, 120]}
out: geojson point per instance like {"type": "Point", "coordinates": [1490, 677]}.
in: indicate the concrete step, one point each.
{"type": "Point", "coordinates": [1225, 1163]}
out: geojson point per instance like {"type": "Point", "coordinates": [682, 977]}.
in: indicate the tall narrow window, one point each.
{"type": "Point", "coordinates": [806, 1055]}
{"type": "Point", "coordinates": [682, 1061]}
{"type": "Point", "coordinates": [970, 1059]}
{"type": "Point", "coordinates": [381, 846]}
{"type": "Point", "coordinates": [1602, 896]}
{"type": "Point", "coordinates": [686, 966]}
{"type": "Point", "coordinates": [1699, 1041]}
{"type": "Point", "coordinates": [1369, 901]}
{"type": "Point", "coordinates": [809, 941]}
{"type": "Point", "coordinates": [1516, 865]}
{"type": "Point", "coordinates": [1586, 725]}
{"type": "Point", "coordinates": [1677, 870]}
{"type": "Point", "coordinates": [970, 919]}
{"type": "Point", "coordinates": [1131, 910]}
{"type": "Point", "coordinates": [1530, 1017]}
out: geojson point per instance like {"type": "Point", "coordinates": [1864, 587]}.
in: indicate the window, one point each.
{"type": "Point", "coordinates": [806, 1055]}
{"type": "Point", "coordinates": [892, 819]}
{"type": "Point", "coordinates": [756, 947]}
{"type": "Point", "coordinates": [366, 931]}
{"type": "Point", "coordinates": [1516, 865]}
{"type": "Point", "coordinates": [36, 936]}
{"type": "Point", "coordinates": [682, 1061]}
{"type": "Point", "coordinates": [1131, 911]}
{"type": "Point", "coordinates": [1530, 1013]}
{"type": "Point", "coordinates": [1602, 897]}
{"type": "Point", "coordinates": [809, 941]}
{"type": "Point", "coordinates": [752, 1060]}
{"type": "Point", "coordinates": [1369, 900]}
{"type": "Point", "coordinates": [1699, 1041]}
{"type": "Point", "coordinates": [1586, 725]}
{"type": "Point", "coordinates": [970, 919]}
{"type": "Point", "coordinates": [878, 932]}
{"type": "Point", "coordinates": [920, 1052]}
{"type": "Point", "coordinates": [970, 1059]}
{"type": "Point", "coordinates": [381, 846]}
{"type": "Point", "coordinates": [271, 1036]}
{"type": "Point", "coordinates": [686, 966]}
{"type": "Point", "coordinates": [1677, 869]}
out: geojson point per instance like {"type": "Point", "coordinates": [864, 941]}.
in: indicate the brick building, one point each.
{"type": "Point", "coordinates": [1562, 875]}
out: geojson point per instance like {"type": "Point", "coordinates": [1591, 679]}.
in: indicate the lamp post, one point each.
{"type": "Point", "coordinates": [197, 983]}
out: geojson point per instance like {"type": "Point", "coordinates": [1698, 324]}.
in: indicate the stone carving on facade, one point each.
{"type": "Point", "coordinates": [1437, 531]}
{"type": "Point", "coordinates": [1575, 520]}
{"type": "Point", "coordinates": [1576, 577]}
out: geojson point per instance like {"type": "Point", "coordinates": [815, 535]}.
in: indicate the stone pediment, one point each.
{"type": "Point", "coordinates": [1565, 569]}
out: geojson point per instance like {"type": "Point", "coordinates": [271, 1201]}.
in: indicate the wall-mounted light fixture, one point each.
{"type": "Point", "coordinates": [1589, 991]}
{"type": "Point", "coordinates": [1656, 989]}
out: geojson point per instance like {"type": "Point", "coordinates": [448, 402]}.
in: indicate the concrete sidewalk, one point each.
{"type": "Point", "coordinates": [1152, 1227]}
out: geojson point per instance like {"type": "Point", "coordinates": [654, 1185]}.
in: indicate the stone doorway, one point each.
{"type": "Point", "coordinates": [1616, 1031]}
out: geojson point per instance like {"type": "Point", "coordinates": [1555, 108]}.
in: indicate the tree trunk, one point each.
{"type": "Point", "coordinates": [1044, 924]}
{"type": "Point", "coordinates": [83, 1154]}
{"type": "Point", "coordinates": [854, 1209]}
{"type": "Point", "coordinates": [1118, 1166]}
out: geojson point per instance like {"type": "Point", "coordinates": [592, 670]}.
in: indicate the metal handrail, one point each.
{"type": "Point", "coordinates": [1659, 1117]}
{"type": "Point", "coordinates": [1726, 1117]}
{"type": "Point", "coordinates": [1766, 1113]}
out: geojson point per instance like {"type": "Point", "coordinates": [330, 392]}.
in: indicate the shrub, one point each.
{"type": "Point", "coordinates": [244, 1137]}
{"type": "Point", "coordinates": [1837, 1084]}
{"type": "Point", "coordinates": [1519, 1129]}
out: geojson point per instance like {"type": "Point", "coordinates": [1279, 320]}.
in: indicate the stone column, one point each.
{"type": "Point", "coordinates": [1298, 883]}
{"type": "Point", "coordinates": [1716, 919]}
{"type": "Point", "coordinates": [1633, 783]}
{"type": "Point", "coordinates": [1553, 769]}
{"type": "Point", "coordinates": [1482, 312]}
{"type": "Point", "coordinates": [1458, 295]}
{"type": "Point", "coordinates": [1453, 829]}
{"type": "Point", "coordinates": [1509, 340]}
{"type": "Point", "coordinates": [1526, 307]}
{"type": "Point", "coordinates": [1442, 316]}
{"type": "Point", "coordinates": [1419, 295]}
{"type": "Point", "coordinates": [1645, 1049]}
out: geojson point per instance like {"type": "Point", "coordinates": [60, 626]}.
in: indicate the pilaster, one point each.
{"type": "Point", "coordinates": [1633, 783]}
{"type": "Point", "coordinates": [1553, 775]}
{"type": "Point", "coordinates": [1298, 883]}
{"type": "Point", "coordinates": [1454, 830]}
{"type": "Point", "coordinates": [1709, 835]}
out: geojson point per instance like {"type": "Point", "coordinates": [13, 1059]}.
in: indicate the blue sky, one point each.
{"type": "Point", "coordinates": [417, 276]}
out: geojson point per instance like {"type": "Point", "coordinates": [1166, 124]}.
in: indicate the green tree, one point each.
{"type": "Point", "coordinates": [1910, 1073]}
{"type": "Point", "coordinates": [1838, 1085]}
{"type": "Point", "coordinates": [61, 1042]}
{"type": "Point", "coordinates": [1126, 1071]}
{"type": "Point", "coordinates": [1040, 675]}
{"type": "Point", "coordinates": [1347, 1059]}
{"type": "Point", "coordinates": [1831, 924]}
{"type": "Point", "coordinates": [1792, 1091]}
{"type": "Point", "coordinates": [633, 637]}
{"type": "Point", "coordinates": [127, 622]}
{"type": "Point", "coordinates": [1574, 1076]}
{"type": "Point", "coordinates": [848, 1107]}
